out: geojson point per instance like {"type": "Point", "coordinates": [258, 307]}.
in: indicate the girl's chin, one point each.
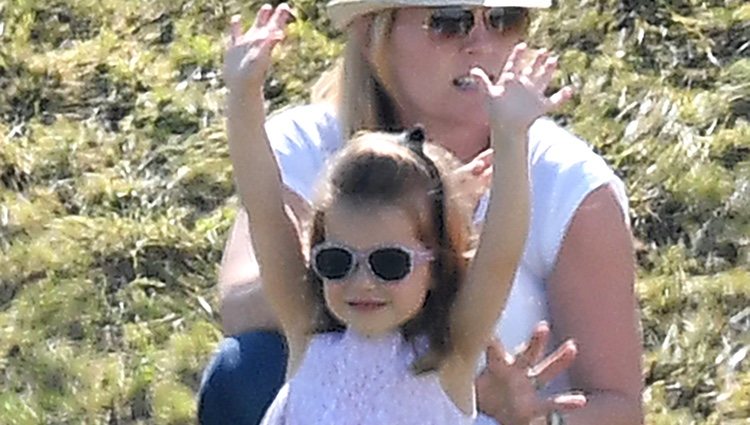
{"type": "Point", "coordinates": [370, 332]}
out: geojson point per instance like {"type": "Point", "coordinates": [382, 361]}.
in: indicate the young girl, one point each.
{"type": "Point", "coordinates": [384, 312]}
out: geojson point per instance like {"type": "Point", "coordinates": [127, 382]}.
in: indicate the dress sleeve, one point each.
{"type": "Point", "coordinates": [564, 171]}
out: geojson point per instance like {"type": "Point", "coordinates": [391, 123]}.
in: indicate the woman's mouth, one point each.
{"type": "Point", "coordinates": [468, 82]}
{"type": "Point", "coordinates": [465, 82]}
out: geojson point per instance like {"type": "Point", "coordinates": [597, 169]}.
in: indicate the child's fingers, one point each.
{"type": "Point", "coordinates": [514, 61]}
{"type": "Point", "coordinates": [235, 30]}
{"type": "Point", "coordinates": [264, 13]}
{"type": "Point", "coordinates": [482, 162]}
{"type": "Point", "coordinates": [280, 17]}
{"type": "Point", "coordinates": [533, 68]}
{"type": "Point", "coordinates": [526, 82]}
{"type": "Point", "coordinates": [482, 77]}
{"type": "Point", "coordinates": [270, 42]}
{"type": "Point", "coordinates": [486, 177]}
{"type": "Point", "coordinates": [544, 74]}
{"type": "Point", "coordinates": [559, 98]}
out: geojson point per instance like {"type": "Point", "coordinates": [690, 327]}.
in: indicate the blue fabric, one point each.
{"type": "Point", "coordinates": [242, 379]}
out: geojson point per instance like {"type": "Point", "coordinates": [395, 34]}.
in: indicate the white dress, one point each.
{"type": "Point", "coordinates": [348, 379]}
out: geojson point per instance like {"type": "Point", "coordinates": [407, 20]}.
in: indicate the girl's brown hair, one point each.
{"type": "Point", "coordinates": [376, 169]}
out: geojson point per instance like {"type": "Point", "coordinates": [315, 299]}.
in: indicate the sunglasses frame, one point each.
{"type": "Point", "coordinates": [416, 257]}
{"type": "Point", "coordinates": [429, 26]}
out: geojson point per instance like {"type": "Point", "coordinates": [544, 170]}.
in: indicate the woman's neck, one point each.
{"type": "Point", "coordinates": [464, 139]}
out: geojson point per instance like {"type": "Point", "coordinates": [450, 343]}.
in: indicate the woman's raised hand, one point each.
{"type": "Point", "coordinates": [473, 179]}
{"type": "Point", "coordinates": [248, 55]}
{"type": "Point", "coordinates": [517, 99]}
{"type": "Point", "coordinates": [509, 387]}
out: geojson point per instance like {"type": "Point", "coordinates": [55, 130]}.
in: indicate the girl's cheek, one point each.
{"type": "Point", "coordinates": [332, 293]}
{"type": "Point", "coordinates": [414, 290]}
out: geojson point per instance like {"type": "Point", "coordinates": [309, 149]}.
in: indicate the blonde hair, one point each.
{"type": "Point", "coordinates": [356, 87]}
{"type": "Point", "coordinates": [362, 91]}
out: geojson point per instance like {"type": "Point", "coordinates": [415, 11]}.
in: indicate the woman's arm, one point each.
{"type": "Point", "coordinates": [591, 298]}
{"type": "Point", "coordinates": [595, 258]}
{"type": "Point", "coordinates": [242, 305]}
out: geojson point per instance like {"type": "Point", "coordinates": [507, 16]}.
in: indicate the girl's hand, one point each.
{"type": "Point", "coordinates": [517, 99]}
{"type": "Point", "coordinates": [248, 55]}
{"type": "Point", "coordinates": [508, 389]}
{"type": "Point", "coordinates": [473, 179]}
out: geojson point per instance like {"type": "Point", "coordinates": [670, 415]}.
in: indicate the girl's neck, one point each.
{"type": "Point", "coordinates": [370, 335]}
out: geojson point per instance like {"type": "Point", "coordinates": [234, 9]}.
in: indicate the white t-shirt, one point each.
{"type": "Point", "coordinates": [563, 171]}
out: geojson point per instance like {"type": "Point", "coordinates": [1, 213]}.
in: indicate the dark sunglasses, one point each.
{"type": "Point", "coordinates": [388, 263]}
{"type": "Point", "coordinates": [449, 22]}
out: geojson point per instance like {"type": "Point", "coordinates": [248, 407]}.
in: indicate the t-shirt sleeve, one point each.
{"type": "Point", "coordinates": [302, 139]}
{"type": "Point", "coordinates": [564, 171]}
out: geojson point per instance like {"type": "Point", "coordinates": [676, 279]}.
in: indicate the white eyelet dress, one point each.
{"type": "Point", "coordinates": [348, 379]}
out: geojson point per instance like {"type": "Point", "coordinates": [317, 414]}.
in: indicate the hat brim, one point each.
{"type": "Point", "coordinates": [342, 12]}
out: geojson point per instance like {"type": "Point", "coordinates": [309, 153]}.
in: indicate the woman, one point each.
{"type": "Point", "coordinates": [577, 271]}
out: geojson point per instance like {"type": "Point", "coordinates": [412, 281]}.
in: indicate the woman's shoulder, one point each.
{"type": "Point", "coordinates": [557, 157]}
{"type": "Point", "coordinates": [561, 161]}
{"type": "Point", "coordinates": [311, 112]}
{"type": "Point", "coordinates": [312, 124]}
{"type": "Point", "coordinates": [564, 170]}
{"type": "Point", "coordinates": [303, 138]}
{"type": "Point", "coordinates": [551, 144]}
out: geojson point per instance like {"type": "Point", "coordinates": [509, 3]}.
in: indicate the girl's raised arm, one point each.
{"type": "Point", "coordinates": [274, 235]}
{"type": "Point", "coordinates": [514, 103]}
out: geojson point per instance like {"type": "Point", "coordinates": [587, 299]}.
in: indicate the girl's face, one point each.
{"type": "Point", "coordinates": [429, 71]}
{"type": "Point", "coordinates": [361, 300]}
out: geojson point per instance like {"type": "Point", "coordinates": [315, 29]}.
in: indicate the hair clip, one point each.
{"type": "Point", "coordinates": [414, 138]}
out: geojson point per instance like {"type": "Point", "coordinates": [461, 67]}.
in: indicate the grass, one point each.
{"type": "Point", "coordinates": [116, 193]}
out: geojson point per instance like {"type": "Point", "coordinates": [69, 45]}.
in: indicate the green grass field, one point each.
{"type": "Point", "coordinates": [116, 192]}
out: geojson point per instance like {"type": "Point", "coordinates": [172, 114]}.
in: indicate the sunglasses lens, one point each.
{"type": "Point", "coordinates": [390, 263]}
{"type": "Point", "coordinates": [506, 18]}
{"type": "Point", "coordinates": [333, 263]}
{"type": "Point", "coordinates": [451, 22]}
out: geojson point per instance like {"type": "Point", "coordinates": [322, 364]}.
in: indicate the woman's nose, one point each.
{"type": "Point", "coordinates": [479, 40]}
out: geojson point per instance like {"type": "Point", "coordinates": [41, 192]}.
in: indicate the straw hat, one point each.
{"type": "Point", "coordinates": [342, 12]}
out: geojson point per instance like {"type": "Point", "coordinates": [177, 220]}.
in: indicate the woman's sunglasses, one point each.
{"type": "Point", "coordinates": [388, 263]}
{"type": "Point", "coordinates": [450, 22]}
